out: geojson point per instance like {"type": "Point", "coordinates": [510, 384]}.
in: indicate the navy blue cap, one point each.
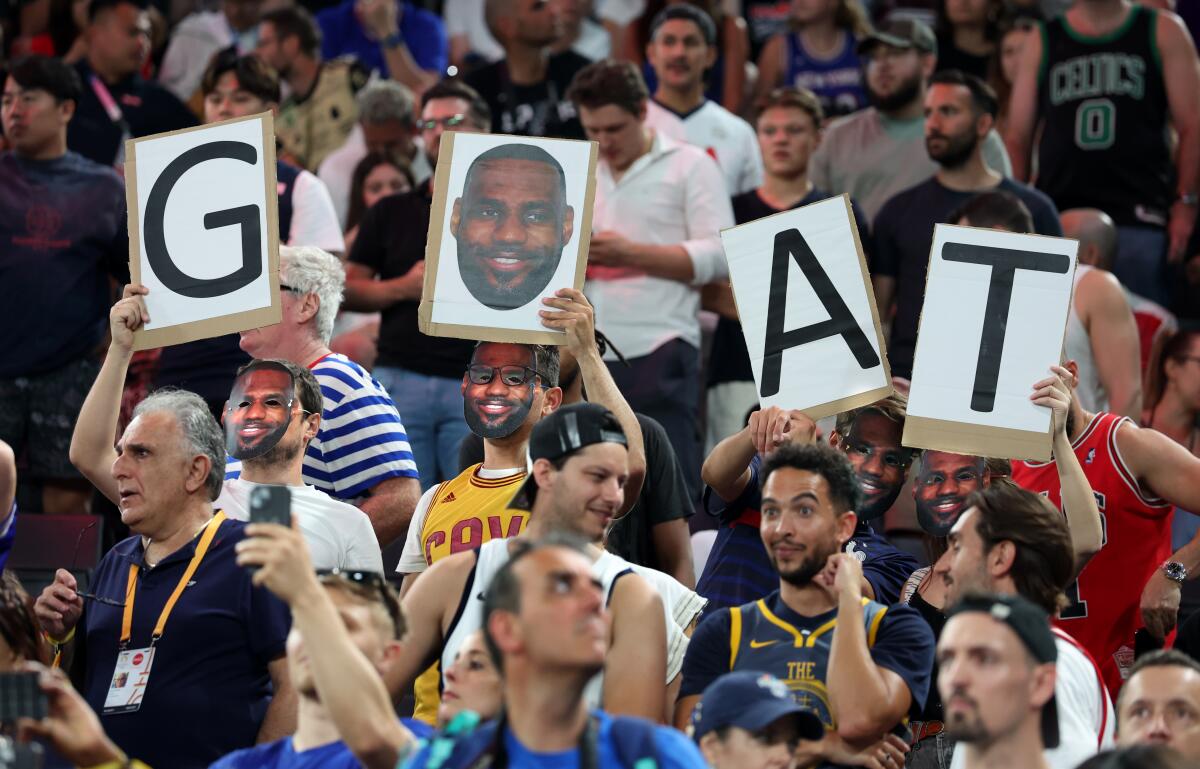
{"type": "Point", "coordinates": [751, 701]}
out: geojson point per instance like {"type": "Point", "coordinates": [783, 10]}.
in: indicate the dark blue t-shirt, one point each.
{"type": "Point", "coordinates": [675, 751]}
{"type": "Point", "coordinates": [738, 570]}
{"type": "Point", "coordinates": [62, 233]}
{"type": "Point", "coordinates": [209, 684]}
{"type": "Point", "coordinates": [282, 755]}
{"type": "Point", "coordinates": [903, 644]}
{"type": "Point", "coordinates": [423, 32]}
{"type": "Point", "coordinates": [902, 235]}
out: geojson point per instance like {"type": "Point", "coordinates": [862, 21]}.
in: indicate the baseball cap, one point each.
{"type": "Point", "coordinates": [564, 432]}
{"type": "Point", "coordinates": [900, 33]}
{"type": "Point", "coordinates": [751, 701]}
{"type": "Point", "coordinates": [1032, 626]}
{"type": "Point", "coordinates": [687, 13]}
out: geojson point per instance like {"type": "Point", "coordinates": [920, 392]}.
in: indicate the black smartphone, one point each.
{"type": "Point", "coordinates": [271, 504]}
{"type": "Point", "coordinates": [21, 697]}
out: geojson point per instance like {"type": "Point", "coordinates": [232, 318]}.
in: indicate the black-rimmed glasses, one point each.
{"type": "Point", "coordinates": [511, 376]}
{"type": "Point", "coordinates": [454, 121]}
{"type": "Point", "coordinates": [75, 560]}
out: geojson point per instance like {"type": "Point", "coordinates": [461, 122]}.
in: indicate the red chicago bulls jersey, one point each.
{"type": "Point", "coordinates": [1104, 611]}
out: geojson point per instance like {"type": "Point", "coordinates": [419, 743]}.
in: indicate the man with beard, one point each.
{"type": "Point", "coordinates": [877, 152]}
{"type": "Point", "coordinates": [860, 665]}
{"type": "Point", "coordinates": [996, 661]}
{"type": "Point", "coordinates": [511, 224]}
{"type": "Point", "coordinates": [943, 483]}
{"type": "Point", "coordinates": [273, 413]}
{"type": "Point", "coordinates": [737, 571]}
{"type": "Point", "coordinates": [1012, 542]}
{"type": "Point", "coordinates": [959, 112]}
{"type": "Point", "coordinates": [577, 485]}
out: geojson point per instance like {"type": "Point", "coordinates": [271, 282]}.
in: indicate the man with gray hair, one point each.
{"type": "Point", "coordinates": [361, 453]}
{"type": "Point", "coordinates": [172, 625]}
{"type": "Point", "coordinates": [386, 124]}
{"type": "Point", "coordinates": [271, 416]}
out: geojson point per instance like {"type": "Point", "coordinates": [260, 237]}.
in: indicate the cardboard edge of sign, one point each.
{"type": "Point", "coordinates": [964, 438]}
{"type": "Point", "coordinates": [848, 403]}
{"type": "Point", "coordinates": [433, 248]}
{"type": "Point", "coordinates": [146, 339]}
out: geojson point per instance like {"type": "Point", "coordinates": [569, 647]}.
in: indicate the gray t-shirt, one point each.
{"type": "Point", "coordinates": [873, 157]}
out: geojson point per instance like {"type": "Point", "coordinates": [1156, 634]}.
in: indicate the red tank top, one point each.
{"type": "Point", "coordinates": [1104, 611]}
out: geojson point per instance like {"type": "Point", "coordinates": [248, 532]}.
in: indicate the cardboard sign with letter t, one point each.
{"type": "Point", "coordinates": [807, 310]}
{"type": "Point", "coordinates": [995, 314]}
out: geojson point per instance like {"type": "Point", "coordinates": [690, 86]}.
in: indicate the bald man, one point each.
{"type": "Point", "coordinates": [1097, 236]}
{"type": "Point", "coordinates": [1102, 335]}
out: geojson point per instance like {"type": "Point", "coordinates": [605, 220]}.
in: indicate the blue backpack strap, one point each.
{"type": "Point", "coordinates": [634, 742]}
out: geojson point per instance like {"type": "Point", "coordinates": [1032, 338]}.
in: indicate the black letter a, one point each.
{"type": "Point", "coordinates": [790, 243]}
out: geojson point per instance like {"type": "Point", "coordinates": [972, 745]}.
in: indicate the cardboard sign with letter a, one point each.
{"type": "Point", "coordinates": [995, 314]}
{"type": "Point", "coordinates": [203, 229]}
{"type": "Point", "coordinates": [807, 310]}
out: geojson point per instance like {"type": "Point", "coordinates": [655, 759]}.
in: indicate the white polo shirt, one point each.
{"type": "Point", "coordinates": [720, 133]}
{"type": "Point", "coordinates": [673, 195]}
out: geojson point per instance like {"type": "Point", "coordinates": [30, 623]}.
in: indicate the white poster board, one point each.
{"type": "Point", "coordinates": [510, 224]}
{"type": "Point", "coordinates": [807, 309]}
{"type": "Point", "coordinates": [203, 229]}
{"type": "Point", "coordinates": [995, 314]}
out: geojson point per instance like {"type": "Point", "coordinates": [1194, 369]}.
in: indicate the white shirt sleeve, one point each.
{"type": "Point", "coordinates": [362, 547]}
{"type": "Point", "coordinates": [752, 170]}
{"type": "Point", "coordinates": [186, 58]}
{"type": "Point", "coordinates": [314, 219]}
{"type": "Point", "coordinates": [412, 559]}
{"type": "Point", "coordinates": [708, 212]}
{"type": "Point", "coordinates": [620, 11]}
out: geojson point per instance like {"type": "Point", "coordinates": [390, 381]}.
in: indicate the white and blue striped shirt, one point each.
{"type": "Point", "coordinates": [361, 441]}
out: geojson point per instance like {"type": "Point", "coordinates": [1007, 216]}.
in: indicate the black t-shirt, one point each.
{"type": "Point", "coordinates": [951, 57]}
{"type": "Point", "coordinates": [146, 107]}
{"type": "Point", "coordinates": [391, 239]}
{"type": "Point", "coordinates": [902, 236]}
{"type": "Point", "coordinates": [532, 110]}
{"type": "Point", "coordinates": [729, 361]}
{"type": "Point", "coordinates": [663, 497]}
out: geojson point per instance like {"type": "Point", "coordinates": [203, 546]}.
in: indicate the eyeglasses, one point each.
{"type": "Point", "coordinates": [283, 287]}
{"type": "Point", "coordinates": [75, 559]}
{"type": "Point", "coordinates": [510, 376]}
{"type": "Point", "coordinates": [370, 582]}
{"type": "Point", "coordinates": [454, 121]}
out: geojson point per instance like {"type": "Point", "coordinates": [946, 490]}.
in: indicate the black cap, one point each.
{"type": "Point", "coordinates": [751, 701]}
{"type": "Point", "coordinates": [564, 432]}
{"type": "Point", "coordinates": [900, 33]}
{"type": "Point", "coordinates": [1032, 626]}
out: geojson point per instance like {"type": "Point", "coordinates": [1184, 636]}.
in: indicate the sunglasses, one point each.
{"type": "Point", "coordinates": [510, 376]}
{"type": "Point", "coordinates": [370, 583]}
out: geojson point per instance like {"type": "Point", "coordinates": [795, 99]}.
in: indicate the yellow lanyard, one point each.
{"type": "Point", "coordinates": [210, 531]}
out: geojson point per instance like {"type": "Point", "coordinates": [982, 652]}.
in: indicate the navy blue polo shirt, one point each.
{"type": "Point", "coordinates": [739, 571]}
{"type": "Point", "coordinates": [209, 685]}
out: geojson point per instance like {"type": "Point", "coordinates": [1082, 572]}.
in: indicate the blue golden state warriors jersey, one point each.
{"type": "Point", "coordinates": [796, 650]}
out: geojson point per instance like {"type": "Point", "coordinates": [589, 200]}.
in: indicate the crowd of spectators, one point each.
{"type": "Point", "coordinates": [604, 553]}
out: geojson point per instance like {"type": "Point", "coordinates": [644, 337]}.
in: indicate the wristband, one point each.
{"type": "Point", "coordinates": [394, 40]}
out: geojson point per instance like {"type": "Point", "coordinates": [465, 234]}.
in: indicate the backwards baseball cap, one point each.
{"type": "Point", "coordinates": [900, 33]}
{"type": "Point", "coordinates": [1032, 626]}
{"type": "Point", "coordinates": [751, 701]}
{"type": "Point", "coordinates": [564, 432]}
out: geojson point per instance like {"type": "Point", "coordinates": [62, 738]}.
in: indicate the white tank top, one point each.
{"type": "Point", "coordinates": [1078, 346]}
{"type": "Point", "coordinates": [680, 606]}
